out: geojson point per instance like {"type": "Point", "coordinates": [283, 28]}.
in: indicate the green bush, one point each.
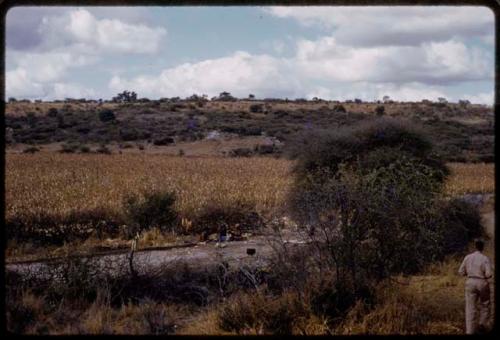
{"type": "Point", "coordinates": [153, 210]}
{"type": "Point", "coordinates": [461, 224]}
{"type": "Point", "coordinates": [372, 191]}
{"type": "Point", "coordinates": [106, 115]}
{"type": "Point", "coordinates": [327, 149]}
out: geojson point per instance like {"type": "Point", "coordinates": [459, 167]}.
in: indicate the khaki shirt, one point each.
{"type": "Point", "coordinates": [476, 265]}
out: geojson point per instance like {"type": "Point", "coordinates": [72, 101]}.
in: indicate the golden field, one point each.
{"type": "Point", "coordinates": [471, 178]}
{"type": "Point", "coordinates": [57, 184]}
{"type": "Point", "coordinates": [60, 183]}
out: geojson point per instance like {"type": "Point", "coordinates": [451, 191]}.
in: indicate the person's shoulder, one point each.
{"type": "Point", "coordinates": [485, 257]}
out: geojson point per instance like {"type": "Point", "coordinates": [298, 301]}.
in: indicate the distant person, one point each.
{"type": "Point", "coordinates": [476, 266]}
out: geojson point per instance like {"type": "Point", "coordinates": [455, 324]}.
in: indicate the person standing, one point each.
{"type": "Point", "coordinates": [476, 267]}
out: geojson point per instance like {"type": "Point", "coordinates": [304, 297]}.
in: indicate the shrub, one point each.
{"type": "Point", "coordinates": [163, 141]}
{"type": "Point", "coordinates": [129, 134]}
{"type": "Point", "coordinates": [153, 210]}
{"type": "Point", "coordinates": [84, 149]}
{"type": "Point", "coordinates": [31, 149]}
{"type": "Point", "coordinates": [256, 108]}
{"type": "Point", "coordinates": [396, 230]}
{"type": "Point", "coordinates": [380, 110]}
{"type": "Point", "coordinates": [339, 108]}
{"type": "Point", "coordinates": [461, 224]}
{"type": "Point", "coordinates": [260, 313]}
{"type": "Point", "coordinates": [326, 149]}
{"type": "Point", "coordinates": [103, 149]}
{"type": "Point", "coordinates": [241, 152]}
{"type": "Point", "coordinates": [238, 217]}
{"type": "Point", "coordinates": [53, 112]}
{"type": "Point", "coordinates": [106, 115]}
{"type": "Point", "coordinates": [69, 148]}
{"type": "Point", "coordinates": [265, 149]}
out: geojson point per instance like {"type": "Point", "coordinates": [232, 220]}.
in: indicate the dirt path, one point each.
{"type": "Point", "coordinates": [199, 256]}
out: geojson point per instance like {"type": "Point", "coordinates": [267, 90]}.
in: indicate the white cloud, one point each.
{"type": "Point", "coordinates": [398, 25]}
{"type": "Point", "coordinates": [73, 39]}
{"type": "Point", "coordinates": [239, 73]}
{"type": "Point", "coordinates": [431, 63]}
{"type": "Point", "coordinates": [70, 90]}
{"type": "Point", "coordinates": [50, 66]}
{"type": "Point", "coordinates": [81, 30]}
{"type": "Point", "coordinates": [403, 72]}
{"type": "Point", "coordinates": [19, 84]}
{"type": "Point", "coordinates": [487, 98]}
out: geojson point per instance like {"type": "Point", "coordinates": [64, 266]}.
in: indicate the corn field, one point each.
{"type": "Point", "coordinates": [57, 184]}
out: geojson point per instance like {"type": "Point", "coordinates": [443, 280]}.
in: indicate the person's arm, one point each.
{"type": "Point", "coordinates": [487, 269]}
{"type": "Point", "coordinates": [462, 270]}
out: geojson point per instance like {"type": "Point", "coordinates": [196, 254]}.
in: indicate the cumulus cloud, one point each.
{"type": "Point", "coordinates": [29, 28]}
{"type": "Point", "coordinates": [240, 73]}
{"type": "Point", "coordinates": [431, 63]}
{"type": "Point", "coordinates": [408, 53]}
{"type": "Point", "coordinates": [399, 25]}
{"type": "Point", "coordinates": [68, 39]}
{"type": "Point", "coordinates": [22, 84]}
{"type": "Point", "coordinates": [405, 72]}
{"type": "Point", "coordinates": [81, 30]}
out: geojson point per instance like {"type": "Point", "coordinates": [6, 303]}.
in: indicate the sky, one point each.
{"type": "Point", "coordinates": [334, 53]}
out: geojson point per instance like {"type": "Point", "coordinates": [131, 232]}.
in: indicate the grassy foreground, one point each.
{"type": "Point", "coordinates": [429, 303]}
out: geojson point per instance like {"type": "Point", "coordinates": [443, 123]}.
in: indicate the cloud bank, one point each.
{"type": "Point", "coordinates": [409, 53]}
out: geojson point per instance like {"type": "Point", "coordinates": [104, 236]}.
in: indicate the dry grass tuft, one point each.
{"type": "Point", "coordinates": [470, 178]}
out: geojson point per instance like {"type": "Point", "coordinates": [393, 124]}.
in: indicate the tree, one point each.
{"type": "Point", "coordinates": [368, 197]}
{"type": "Point", "coordinates": [386, 99]}
{"type": "Point", "coordinates": [464, 102]}
{"type": "Point", "coordinates": [442, 100]}
{"type": "Point", "coordinates": [251, 96]}
{"type": "Point", "coordinates": [226, 96]}
{"type": "Point", "coordinates": [125, 96]}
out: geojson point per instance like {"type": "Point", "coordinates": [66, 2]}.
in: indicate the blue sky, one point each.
{"type": "Point", "coordinates": [408, 53]}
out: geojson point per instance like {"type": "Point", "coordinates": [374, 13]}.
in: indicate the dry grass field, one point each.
{"type": "Point", "coordinates": [471, 178]}
{"type": "Point", "coordinates": [58, 184]}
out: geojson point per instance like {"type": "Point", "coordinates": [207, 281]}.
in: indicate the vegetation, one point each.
{"type": "Point", "coordinates": [342, 279]}
{"type": "Point", "coordinates": [154, 210]}
{"type": "Point", "coordinates": [461, 133]}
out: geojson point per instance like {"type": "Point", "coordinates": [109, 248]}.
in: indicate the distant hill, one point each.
{"type": "Point", "coordinates": [463, 132]}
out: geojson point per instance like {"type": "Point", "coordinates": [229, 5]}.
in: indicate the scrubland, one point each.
{"type": "Point", "coordinates": [86, 195]}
